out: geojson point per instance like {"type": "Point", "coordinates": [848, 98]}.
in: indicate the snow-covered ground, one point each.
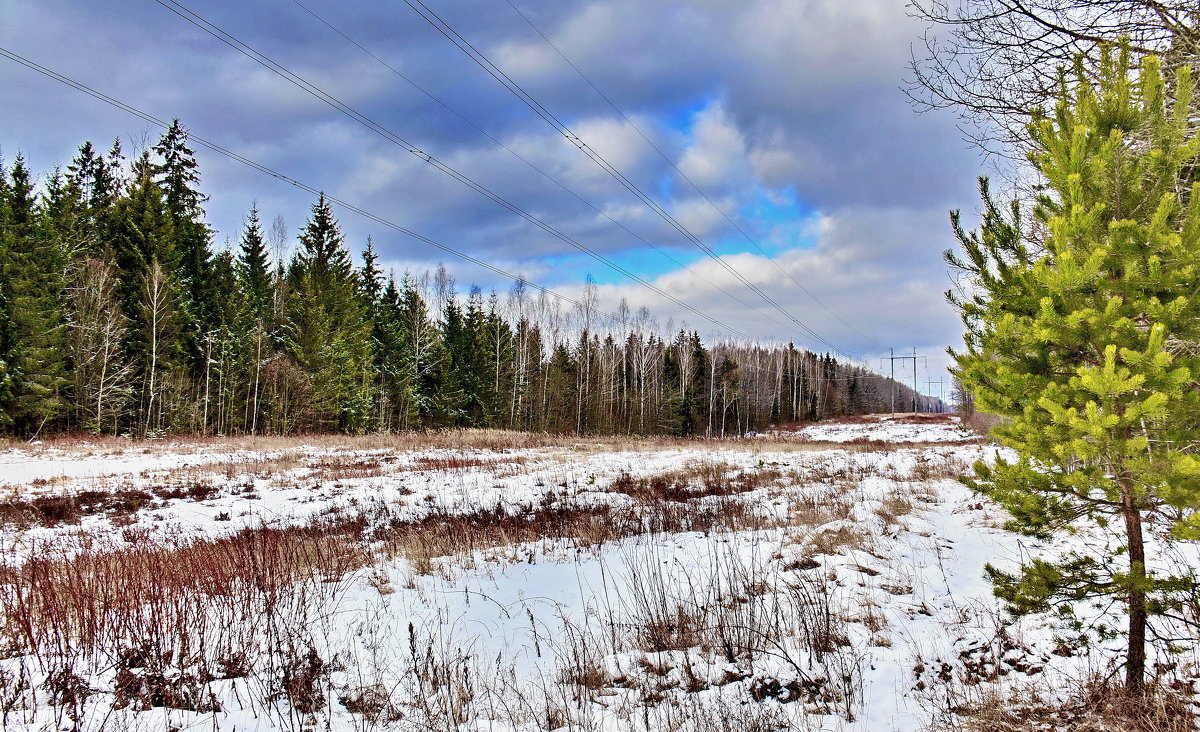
{"type": "Point", "coordinates": [762, 584]}
{"type": "Point", "coordinates": [892, 428]}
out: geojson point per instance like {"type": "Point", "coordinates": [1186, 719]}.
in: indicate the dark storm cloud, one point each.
{"type": "Point", "coordinates": [751, 98]}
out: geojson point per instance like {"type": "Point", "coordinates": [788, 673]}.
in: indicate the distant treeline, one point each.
{"type": "Point", "coordinates": [117, 316]}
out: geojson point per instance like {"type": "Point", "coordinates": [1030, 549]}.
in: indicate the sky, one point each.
{"type": "Point", "coordinates": [773, 132]}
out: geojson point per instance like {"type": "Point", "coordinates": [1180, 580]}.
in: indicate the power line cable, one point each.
{"type": "Point", "coordinates": [283, 72]}
{"type": "Point", "coordinates": [683, 175]}
{"type": "Point", "coordinates": [530, 164]}
{"type": "Point", "coordinates": [538, 108]}
{"type": "Point", "coordinates": [237, 157]}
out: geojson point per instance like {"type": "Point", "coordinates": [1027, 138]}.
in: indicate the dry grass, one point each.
{"type": "Point", "coordinates": [171, 615]}
{"type": "Point", "coordinates": [444, 533]}
{"type": "Point", "coordinates": [83, 597]}
{"type": "Point", "coordinates": [981, 423]}
{"type": "Point", "coordinates": [700, 479]}
{"type": "Point", "coordinates": [289, 449]}
{"type": "Point", "coordinates": [1098, 705]}
{"type": "Point", "coordinates": [894, 506]}
{"type": "Point", "coordinates": [52, 510]}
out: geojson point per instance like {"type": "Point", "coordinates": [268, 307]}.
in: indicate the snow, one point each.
{"type": "Point", "coordinates": [877, 541]}
{"type": "Point", "coordinates": [891, 429]}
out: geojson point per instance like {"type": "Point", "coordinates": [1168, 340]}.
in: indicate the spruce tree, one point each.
{"type": "Point", "coordinates": [254, 266]}
{"type": "Point", "coordinates": [421, 344]}
{"type": "Point", "coordinates": [144, 255]}
{"type": "Point", "coordinates": [369, 275]}
{"type": "Point", "coordinates": [35, 287]}
{"type": "Point", "coordinates": [178, 176]}
{"type": "Point", "coordinates": [8, 350]}
{"type": "Point", "coordinates": [98, 183]}
{"type": "Point", "coordinates": [1082, 332]}
{"type": "Point", "coordinates": [329, 333]}
{"type": "Point", "coordinates": [394, 394]}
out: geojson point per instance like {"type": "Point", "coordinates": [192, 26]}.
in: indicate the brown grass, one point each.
{"type": "Point", "coordinates": [981, 423]}
{"type": "Point", "coordinates": [1098, 705]}
{"type": "Point", "coordinates": [445, 534]}
{"type": "Point", "coordinates": [79, 596]}
{"type": "Point", "coordinates": [65, 598]}
{"type": "Point", "coordinates": [70, 509]}
{"type": "Point", "coordinates": [287, 451]}
{"type": "Point", "coordinates": [698, 480]}
{"type": "Point", "coordinates": [448, 463]}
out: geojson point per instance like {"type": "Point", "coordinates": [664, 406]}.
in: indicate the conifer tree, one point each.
{"type": "Point", "coordinates": [178, 176]}
{"type": "Point", "coordinates": [8, 350]}
{"type": "Point", "coordinates": [1083, 332]}
{"type": "Point", "coordinates": [97, 181]}
{"type": "Point", "coordinates": [34, 281]}
{"type": "Point", "coordinates": [64, 214]}
{"type": "Point", "coordinates": [370, 276]}
{"type": "Point", "coordinates": [252, 324]}
{"type": "Point", "coordinates": [254, 265]}
{"type": "Point", "coordinates": [420, 343]}
{"type": "Point", "coordinates": [329, 333]}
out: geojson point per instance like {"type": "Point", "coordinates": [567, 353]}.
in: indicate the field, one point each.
{"type": "Point", "coordinates": [824, 577]}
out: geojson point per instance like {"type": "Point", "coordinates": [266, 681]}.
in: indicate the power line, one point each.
{"type": "Point", "coordinates": [538, 108]}
{"type": "Point", "coordinates": [892, 359]}
{"type": "Point", "coordinates": [283, 72]}
{"type": "Point", "coordinates": [530, 164]}
{"type": "Point", "coordinates": [237, 157]}
{"type": "Point", "coordinates": [683, 175]}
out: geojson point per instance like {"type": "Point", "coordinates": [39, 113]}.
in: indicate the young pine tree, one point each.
{"type": "Point", "coordinates": [1083, 334]}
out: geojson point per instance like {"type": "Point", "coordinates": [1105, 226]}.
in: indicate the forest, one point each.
{"type": "Point", "coordinates": [119, 315]}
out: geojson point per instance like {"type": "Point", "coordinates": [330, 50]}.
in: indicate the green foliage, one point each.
{"type": "Point", "coordinates": [1082, 331]}
{"type": "Point", "coordinates": [35, 258]}
{"type": "Point", "coordinates": [177, 175]}
{"type": "Point", "coordinates": [117, 316]}
{"type": "Point", "coordinates": [328, 332]}
{"type": "Point", "coordinates": [254, 267]}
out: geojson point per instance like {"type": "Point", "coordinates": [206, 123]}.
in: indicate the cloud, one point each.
{"type": "Point", "coordinates": [759, 100]}
{"type": "Point", "coordinates": [716, 154]}
{"type": "Point", "coordinates": [873, 281]}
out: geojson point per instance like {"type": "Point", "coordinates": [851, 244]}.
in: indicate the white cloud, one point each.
{"type": "Point", "coordinates": [716, 151]}
{"type": "Point", "coordinates": [878, 270]}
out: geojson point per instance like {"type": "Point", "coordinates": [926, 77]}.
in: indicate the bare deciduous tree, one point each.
{"type": "Point", "coordinates": [995, 61]}
{"type": "Point", "coordinates": [102, 375]}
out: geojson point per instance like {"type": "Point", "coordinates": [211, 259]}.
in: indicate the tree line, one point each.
{"type": "Point", "coordinates": [118, 315]}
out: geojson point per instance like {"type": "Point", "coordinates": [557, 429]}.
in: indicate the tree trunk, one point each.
{"type": "Point", "coordinates": [1135, 667]}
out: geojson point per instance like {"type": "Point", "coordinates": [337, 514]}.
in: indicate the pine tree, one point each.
{"type": "Point", "coordinates": [1083, 335]}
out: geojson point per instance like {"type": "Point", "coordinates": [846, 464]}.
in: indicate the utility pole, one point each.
{"type": "Point", "coordinates": [941, 393]}
{"type": "Point", "coordinates": [893, 358]}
